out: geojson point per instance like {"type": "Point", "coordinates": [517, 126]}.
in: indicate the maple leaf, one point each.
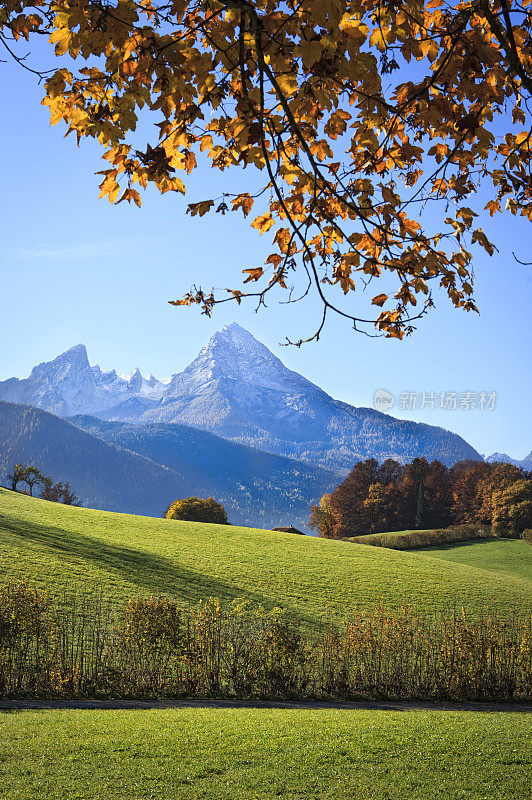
{"type": "Point", "coordinates": [200, 208]}
{"type": "Point", "coordinates": [263, 223]}
{"type": "Point", "coordinates": [253, 274]}
{"type": "Point", "coordinates": [243, 201]}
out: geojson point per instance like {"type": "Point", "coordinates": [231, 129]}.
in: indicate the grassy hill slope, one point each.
{"type": "Point", "coordinates": [316, 580]}
{"type": "Point", "coordinates": [511, 557]}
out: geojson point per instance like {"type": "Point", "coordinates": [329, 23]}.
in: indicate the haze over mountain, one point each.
{"type": "Point", "coordinates": [103, 476]}
{"type": "Point", "coordinates": [239, 390]}
{"type": "Point", "coordinates": [256, 488]}
{"type": "Point", "coordinates": [141, 469]}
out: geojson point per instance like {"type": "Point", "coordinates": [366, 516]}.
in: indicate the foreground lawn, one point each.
{"type": "Point", "coordinates": [315, 580]}
{"type": "Point", "coordinates": [264, 754]}
{"type": "Point", "coordinates": [511, 557]}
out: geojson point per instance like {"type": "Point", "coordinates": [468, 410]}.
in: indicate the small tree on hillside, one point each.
{"type": "Point", "coordinates": [34, 477]}
{"type": "Point", "coordinates": [30, 475]}
{"type": "Point", "coordinates": [17, 476]}
{"type": "Point", "coordinates": [60, 493]}
{"type": "Point", "coordinates": [196, 509]}
{"type": "Point", "coordinates": [322, 518]}
{"type": "Point", "coordinates": [69, 497]}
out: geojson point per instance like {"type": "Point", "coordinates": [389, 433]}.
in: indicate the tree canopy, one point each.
{"type": "Point", "coordinates": [30, 475]}
{"type": "Point", "coordinates": [356, 116]}
{"type": "Point", "coordinates": [197, 509]}
{"type": "Point", "coordinates": [512, 509]}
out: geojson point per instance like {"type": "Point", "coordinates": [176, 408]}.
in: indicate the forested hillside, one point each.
{"type": "Point", "coordinates": [142, 470]}
{"type": "Point", "coordinates": [256, 488]}
{"type": "Point", "coordinates": [102, 475]}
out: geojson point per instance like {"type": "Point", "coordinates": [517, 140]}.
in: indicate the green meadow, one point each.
{"type": "Point", "coordinates": [77, 550]}
{"type": "Point", "coordinates": [509, 557]}
{"type": "Point", "coordinates": [257, 754]}
{"type": "Point", "coordinates": [264, 754]}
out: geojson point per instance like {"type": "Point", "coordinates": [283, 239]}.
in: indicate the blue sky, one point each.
{"type": "Point", "coordinates": [76, 269]}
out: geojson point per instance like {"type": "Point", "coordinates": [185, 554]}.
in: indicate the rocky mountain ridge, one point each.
{"type": "Point", "coordinates": [525, 463]}
{"type": "Point", "coordinates": [69, 385]}
{"type": "Point", "coordinates": [238, 389]}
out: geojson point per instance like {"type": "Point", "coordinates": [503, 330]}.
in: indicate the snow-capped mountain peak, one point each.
{"type": "Point", "coordinates": [240, 390]}
{"type": "Point", "coordinates": [73, 360]}
{"type": "Point", "coordinates": [237, 388]}
{"type": "Point", "coordinates": [69, 385]}
{"type": "Point", "coordinates": [135, 381]}
{"type": "Point", "coordinates": [234, 356]}
{"type": "Point", "coordinates": [497, 458]}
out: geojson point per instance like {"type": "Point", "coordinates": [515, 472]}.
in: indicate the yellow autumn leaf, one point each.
{"type": "Point", "coordinates": [61, 38]}
{"type": "Point", "coordinates": [200, 208]}
{"type": "Point", "coordinates": [253, 274]}
{"type": "Point", "coordinates": [263, 223]}
{"type": "Point", "coordinates": [378, 38]}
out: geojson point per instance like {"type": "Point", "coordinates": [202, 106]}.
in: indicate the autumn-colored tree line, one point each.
{"type": "Point", "coordinates": [377, 498]}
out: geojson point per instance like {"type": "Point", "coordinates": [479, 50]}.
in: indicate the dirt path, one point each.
{"type": "Point", "coordinates": [40, 705]}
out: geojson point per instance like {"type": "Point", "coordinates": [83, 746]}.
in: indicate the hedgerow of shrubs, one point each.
{"type": "Point", "coordinates": [414, 540]}
{"type": "Point", "coordinates": [155, 649]}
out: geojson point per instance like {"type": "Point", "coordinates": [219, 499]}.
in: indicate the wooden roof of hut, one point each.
{"type": "Point", "coordinates": [289, 529]}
